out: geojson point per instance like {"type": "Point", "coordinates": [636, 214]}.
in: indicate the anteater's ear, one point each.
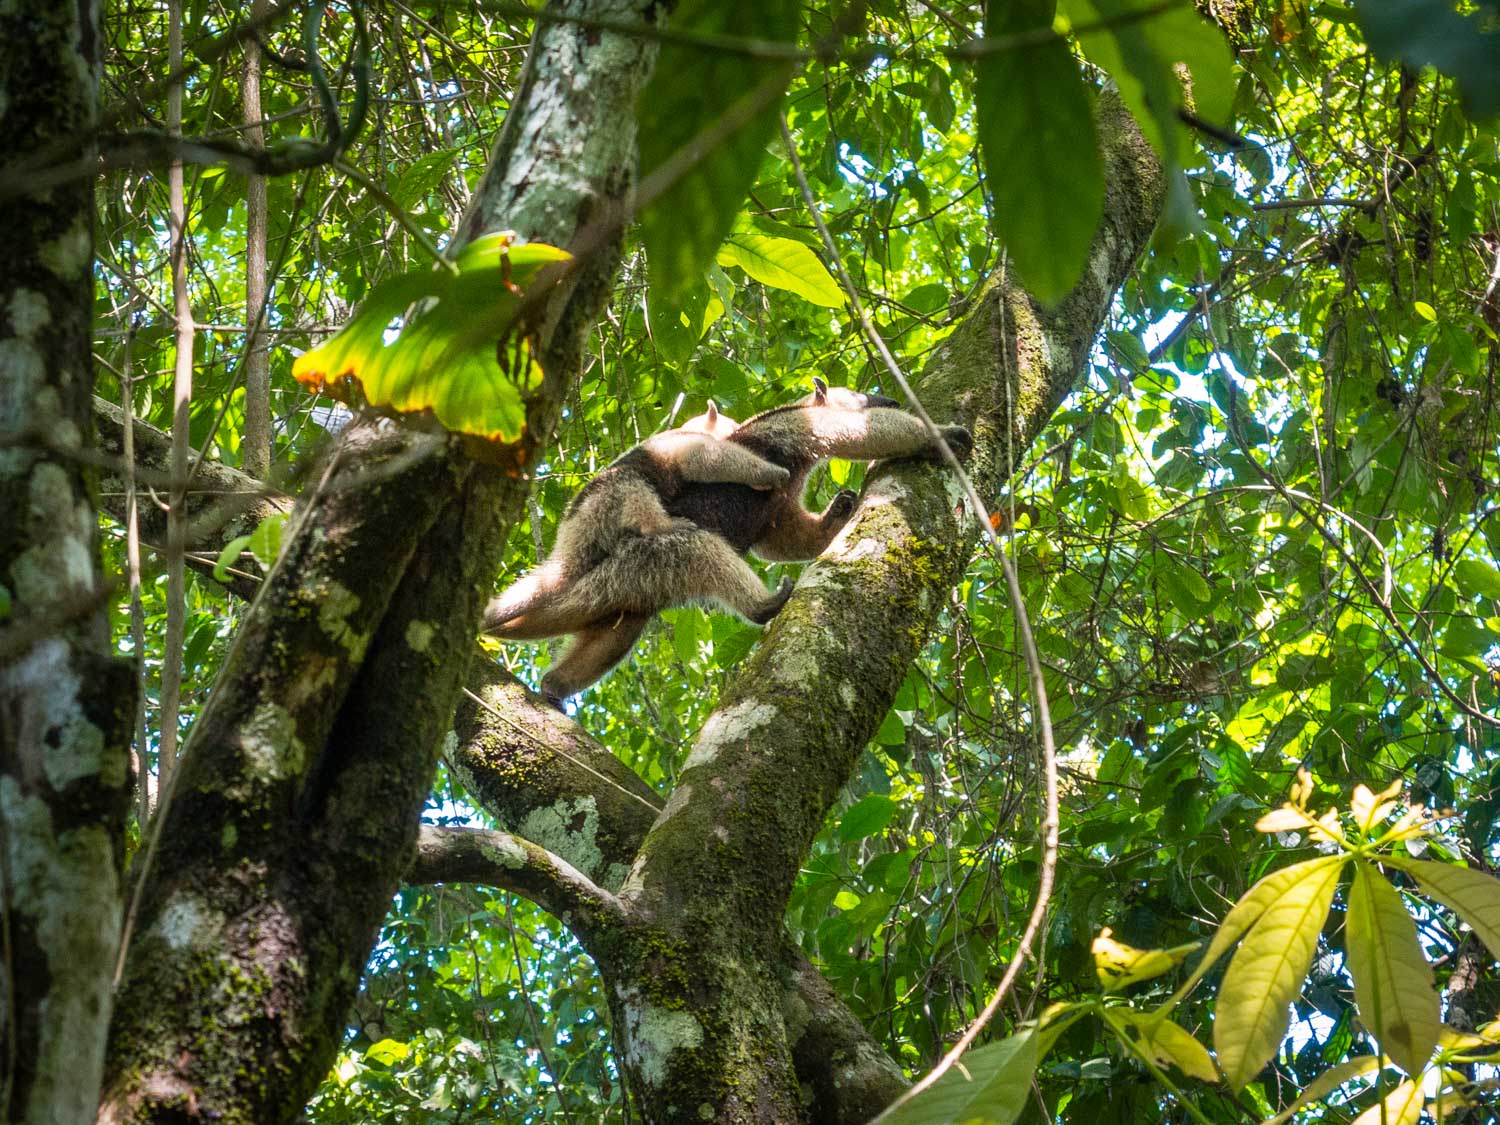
{"type": "Point", "coordinates": [820, 390]}
{"type": "Point", "coordinates": [713, 413]}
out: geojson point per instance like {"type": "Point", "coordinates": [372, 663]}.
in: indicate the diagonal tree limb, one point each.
{"type": "Point", "coordinates": [515, 864]}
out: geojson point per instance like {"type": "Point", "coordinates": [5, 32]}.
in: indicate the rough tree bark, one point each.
{"type": "Point", "coordinates": [296, 803]}
{"type": "Point", "coordinates": [65, 701]}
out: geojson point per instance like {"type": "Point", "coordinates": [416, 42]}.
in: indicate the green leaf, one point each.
{"type": "Point", "coordinates": [685, 636]}
{"type": "Point", "coordinates": [716, 109]}
{"type": "Point", "coordinates": [988, 1086]}
{"type": "Point", "coordinates": [387, 1051]}
{"type": "Point", "coordinates": [1266, 972]}
{"type": "Point", "coordinates": [1165, 1043]}
{"type": "Point", "coordinates": [866, 817]}
{"type": "Point", "coordinates": [1466, 636]}
{"type": "Point", "coordinates": [1392, 980]}
{"type": "Point", "coordinates": [229, 556]}
{"type": "Point", "coordinates": [197, 648]}
{"type": "Point", "coordinates": [782, 264]}
{"type": "Point", "coordinates": [677, 325]}
{"type": "Point", "coordinates": [265, 540]}
{"type": "Point", "coordinates": [1475, 577]}
{"type": "Point", "coordinates": [457, 357]}
{"type": "Point", "coordinates": [892, 730]}
{"type": "Point", "coordinates": [1041, 154]}
{"type": "Point", "coordinates": [1430, 33]}
{"type": "Point", "coordinates": [421, 177]}
{"type": "Point", "coordinates": [1472, 895]}
{"type": "Point", "coordinates": [1188, 589]}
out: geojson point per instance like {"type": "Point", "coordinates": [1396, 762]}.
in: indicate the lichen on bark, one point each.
{"type": "Point", "coordinates": [66, 700]}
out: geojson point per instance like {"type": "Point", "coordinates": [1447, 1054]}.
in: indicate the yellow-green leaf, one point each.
{"type": "Point", "coordinates": [782, 264]}
{"type": "Point", "coordinates": [388, 1051]}
{"type": "Point", "coordinates": [1472, 895]}
{"type": "Point", "coordinates": [1266, 972]}
{"type": "Point", "coordinates": [459, 357]}
{"type": "Point", "coordinates": [988, 1086]}
{"type": "Point", "coordinates": [1166, 1044]}
{"type": "Point", "coordinates": [1248, 910]}
{"type": "Point", "coordinates": [1392, 980]}
{"type": "Point", "coordinates": [1402, 1106]}
{"type": "Point", "coordinates": [1326, 1083]}
{"type": "Point", "coordinates": [704, 120]}
{"type": "Point", "coordinates": [1035, 123]}
{"type": "Point", "coordinates": [1118, 964]}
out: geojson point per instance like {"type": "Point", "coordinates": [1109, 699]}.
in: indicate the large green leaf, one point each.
{"type": "Point", "coordinates": [459, 357]}
{"type": "Point", "coordinates": [1265, 974]}
{"type": "Point", "coordinates": [1041, 153]}
{"type": "Point", "coordinates": [989, 1086]}
{"type": "Point", "coordinates": [867, 816]}
{"type": "Point", "coordinates": [704, 119]}
{"type": "Point", "coordinates": [1431, 33]}
{"type": "Point", "coordinates": [782, 264]}
{"type": "Point", "coordinates": [1144, 55]}
{"type": "Point", "coordinates": [1477, 577]}
{"type": "Point", "coordinates": [1392, 980]}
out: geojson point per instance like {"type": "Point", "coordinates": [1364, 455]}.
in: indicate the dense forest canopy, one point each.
{"type": "Point", "coordinates": [1216, 288]}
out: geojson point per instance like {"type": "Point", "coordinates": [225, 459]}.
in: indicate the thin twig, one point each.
{"type": "Point", "coordinates": [133, 568]}
{"type": "Point", "coordinates": [182, 393]}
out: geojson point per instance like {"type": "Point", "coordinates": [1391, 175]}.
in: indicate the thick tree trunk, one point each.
{"type": "Point", "coordinates": [296, 804]}
{"type": "Point", "coordinates": [65, 701]}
